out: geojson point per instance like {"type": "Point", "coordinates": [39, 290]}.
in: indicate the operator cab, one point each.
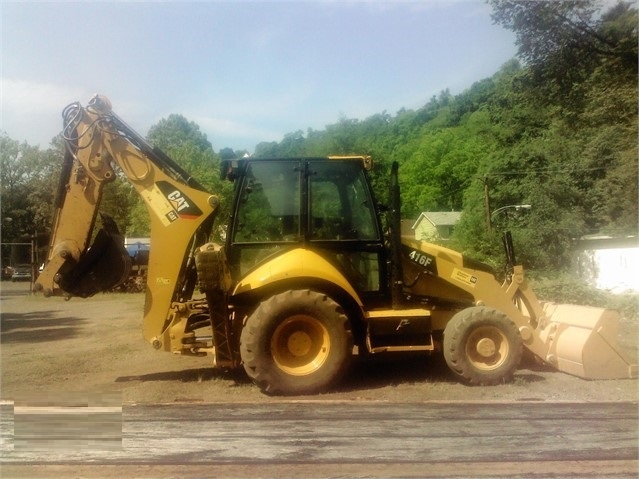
{"type": "Point", "coordinates": [323, 204]}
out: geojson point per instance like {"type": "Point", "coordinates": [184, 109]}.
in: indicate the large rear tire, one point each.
{"type": "Point", "coordinates": [482, 346]}
{"type": "Point", "coordinates": [296, 342]}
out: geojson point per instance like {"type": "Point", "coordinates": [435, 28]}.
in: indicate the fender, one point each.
{"type": "Point", "coordinates": [297, 263]}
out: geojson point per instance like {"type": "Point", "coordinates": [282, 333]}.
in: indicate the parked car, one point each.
{"type": "Point", "coordinates": [21, 273]}
{"type": "Point", "coordinates": [7, 272]}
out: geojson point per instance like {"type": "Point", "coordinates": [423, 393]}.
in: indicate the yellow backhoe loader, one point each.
{"type": "Point", "coordinates": [306, 273]}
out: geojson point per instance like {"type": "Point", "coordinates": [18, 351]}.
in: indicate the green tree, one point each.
{"type": "Point", "coordinates": [567, 129]}
{"type": "Point", "coordinates": [563, 42]}
{"type": "Point", "coordinates": [28, 180]}
{"type": "Point", "coordinates": [173, 132]}
{"type": "Point", "coordinates": [43, 183]}
{"type": "Point", "coordinates": [183, 141]}
{"type": "Point", "coordinates": [571, 31]}
{"type": "Point", "coordinates": [14, 173]}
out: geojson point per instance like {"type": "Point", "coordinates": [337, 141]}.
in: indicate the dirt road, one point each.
{"type": "Point", "coordinates": [96, 345]}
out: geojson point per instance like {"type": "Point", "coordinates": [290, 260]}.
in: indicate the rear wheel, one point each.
{"type": "Point", "coordinates": [297, 342]}
{"type": "Point", "coordinates": [482, 346]}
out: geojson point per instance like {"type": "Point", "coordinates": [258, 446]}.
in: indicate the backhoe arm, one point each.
{"type": "Point", "coordinates": [181, 213]}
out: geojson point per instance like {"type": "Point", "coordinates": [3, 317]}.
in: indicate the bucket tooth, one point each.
{"type": "Point", "coordinates": [583, 342]}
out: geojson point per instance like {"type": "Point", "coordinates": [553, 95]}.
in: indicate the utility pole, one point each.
{"type": "Point", "coordinates": [489, 223]}
{"type": "Point", "coordinates": [34, 260]}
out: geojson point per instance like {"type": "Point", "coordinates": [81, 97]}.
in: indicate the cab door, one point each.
{"type": "Point", "coordinates": [343, 223]}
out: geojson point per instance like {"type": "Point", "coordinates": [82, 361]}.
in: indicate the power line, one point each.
{"type": "Point", "coordinates": [542, 170]}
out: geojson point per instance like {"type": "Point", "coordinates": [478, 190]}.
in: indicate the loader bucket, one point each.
{"type": "Point", "coordinates": [583, 342]}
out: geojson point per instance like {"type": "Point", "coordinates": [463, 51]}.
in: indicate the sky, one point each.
{"type": "Point", "coordinates": [245, 72]}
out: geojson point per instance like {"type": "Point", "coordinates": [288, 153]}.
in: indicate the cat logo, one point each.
{"type": "Point", "coordinates": [177, 200]}
{"type": "Point", "coordinates": [464, 277]}
{"type": "Point", "coordinates": [183, 207]}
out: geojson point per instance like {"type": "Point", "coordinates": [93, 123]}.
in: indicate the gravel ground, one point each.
{"type": "Point", "coordinates": [95, 345]}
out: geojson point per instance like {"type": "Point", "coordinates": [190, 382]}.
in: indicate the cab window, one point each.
{"type": "Point", "coordinates": [268, 209]}
{"type": "Point", "coordinates": [339, 203]}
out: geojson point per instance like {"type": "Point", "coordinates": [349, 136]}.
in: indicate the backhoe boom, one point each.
{"type": "Point", "coordinates": [181, 213]}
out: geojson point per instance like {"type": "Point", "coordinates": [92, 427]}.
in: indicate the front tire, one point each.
{"type": "Point", "coordinates": [296, 342]}
{"type": "Point", "coordinates": [482, 346]}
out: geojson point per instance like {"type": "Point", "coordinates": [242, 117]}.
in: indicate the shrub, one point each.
{"type": "Point", "coordinates": [569, 289]}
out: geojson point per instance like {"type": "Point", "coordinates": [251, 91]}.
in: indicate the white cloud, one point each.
{"type": "Point", "coordinates": [225, 129]}
{"type": "Point", "coordinates": [31, 110]}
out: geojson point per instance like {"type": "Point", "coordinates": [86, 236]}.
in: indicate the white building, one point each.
{"type": "Point", "coordinates": [608, 263]}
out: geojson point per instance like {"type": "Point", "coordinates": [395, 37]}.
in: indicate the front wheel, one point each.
{"type": "Point", "coordinates": [482, 346]}
{"type": "Point", "coordinates": [296, 342]}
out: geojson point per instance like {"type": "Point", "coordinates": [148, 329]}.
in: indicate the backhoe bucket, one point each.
{"type": "Point", "coordinates": [583, 342]}
{"type": "Point", "coordinates": [103, 266]}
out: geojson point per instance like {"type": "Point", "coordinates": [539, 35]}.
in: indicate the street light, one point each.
{"type": "Point", "coordinates": [514, 207]}
{"type": "Point", "coordinates": [504, 208]}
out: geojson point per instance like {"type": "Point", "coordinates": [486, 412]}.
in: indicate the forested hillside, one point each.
{"type": "Point", "coordinates": [555, 128]}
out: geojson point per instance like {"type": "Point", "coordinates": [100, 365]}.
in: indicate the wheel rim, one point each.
{"type": "Point", "coordinates": [300, 345]}
{"type": "Point", "coordinates": [487, 348]}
